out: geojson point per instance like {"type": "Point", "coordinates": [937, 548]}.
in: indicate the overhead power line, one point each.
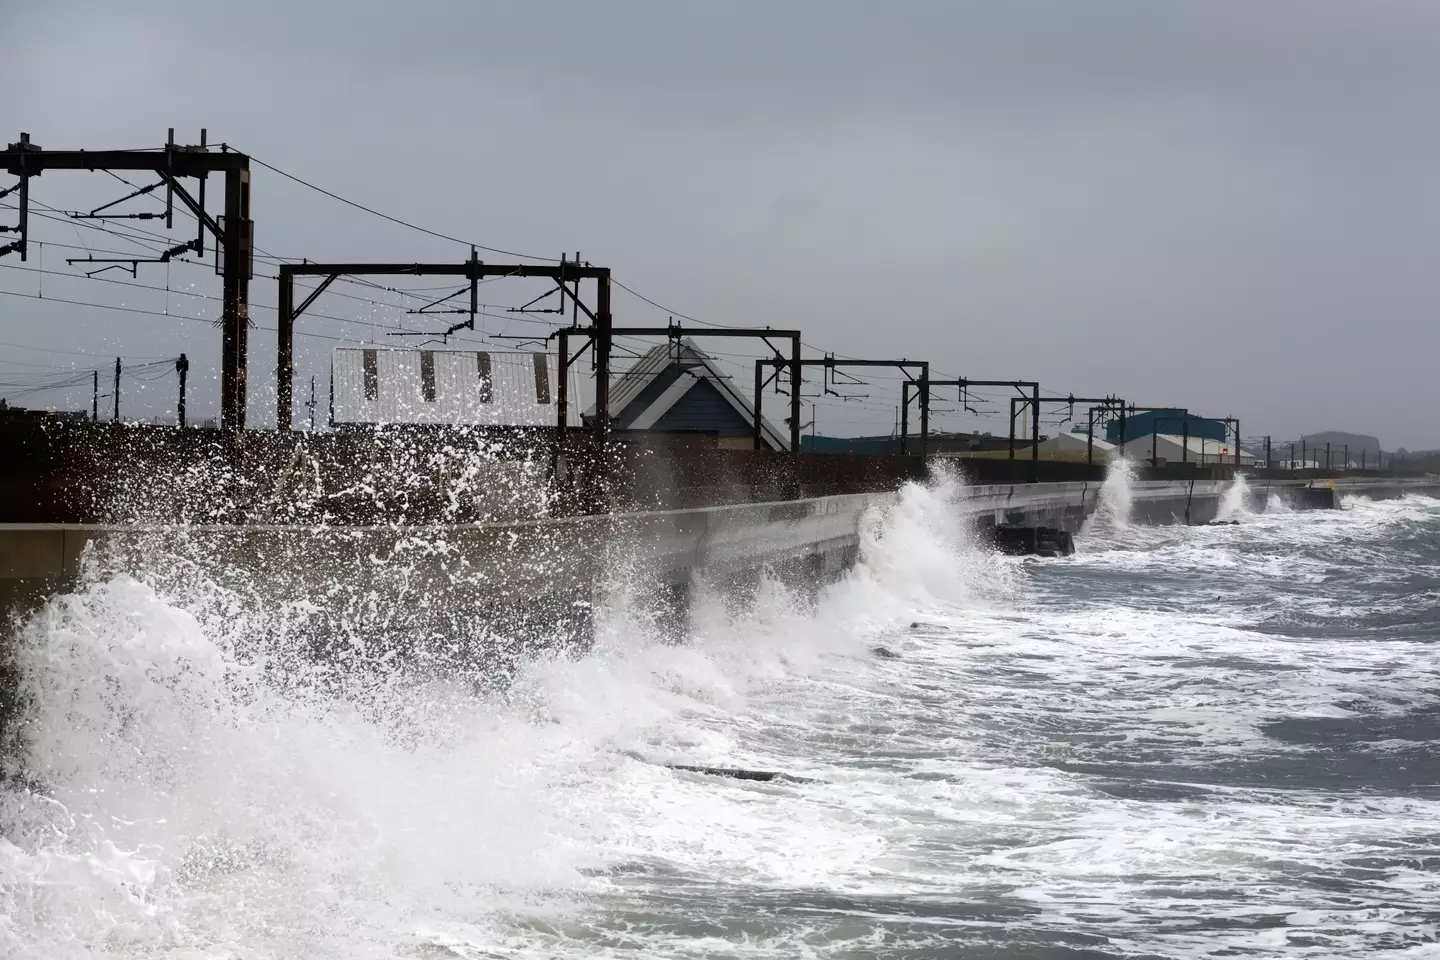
{"type": "Point", "coordinates": [170, 316]}
{"type": "Point", "coordinates": [148, 241]}
{"type": "Point", "coordinates": [385, 216]}
{"type": "Point", "coordinates": [415, 293]}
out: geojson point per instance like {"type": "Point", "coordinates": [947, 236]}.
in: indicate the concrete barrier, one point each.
{"type": "Point", "coordinates": [816, 537]}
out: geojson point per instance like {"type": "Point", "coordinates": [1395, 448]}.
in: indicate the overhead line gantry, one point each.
{"type": "Point", "coordinates": [566, 274]}
{"type": "Point", "coordinates": [172, 163]}
{"type": "Point", "coordinates": [830, 363]}
{"type": "Point", "coordinates": [962, 386]}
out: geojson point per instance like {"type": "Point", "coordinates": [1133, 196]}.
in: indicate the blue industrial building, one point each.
{"type": "Point", "coordinates": [938, 443]}
{"type": "Point", "coordinates": [810, 443]}
{"type": "Point", "coordinates": [1141, 425]}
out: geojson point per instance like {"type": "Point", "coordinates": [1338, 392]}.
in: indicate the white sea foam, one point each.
{"type": "Point", "coordinates": [1232, 501]}
{"type": "Point", "coordinates": [1112, 508]}
{"type": "Point", "coordinates": [189, 798]}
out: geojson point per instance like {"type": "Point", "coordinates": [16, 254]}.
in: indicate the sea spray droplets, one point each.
{"type": "Point", "coordinates": [195, 759]}
{"type": "Point", "coordinates": [1053, 756]}
{"type": "Point", "coordinates": [921, 551]}
{"type": "Point", "coordinates": [1233, 502]}
{"type": "Point", "coordinates": [1113, 501]}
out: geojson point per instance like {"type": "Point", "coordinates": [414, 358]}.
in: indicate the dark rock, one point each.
{"type": "Point", "coordinates": [884, 653]}
{"type": "Point", "coordinates": [738, 773]}
{"type": "Point", "coordinates": [1035, 541]}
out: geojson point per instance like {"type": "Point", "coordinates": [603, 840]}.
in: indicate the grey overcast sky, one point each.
{"type": "Point", "coordinates": [1222, 204]}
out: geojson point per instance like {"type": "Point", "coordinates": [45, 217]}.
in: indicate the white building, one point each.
{"type": "Point", "coordinates": [1174, 448]}
{"type": "Point", "coordinates": [457, 387]}
{"type": "Point", "coordinates": [1067, 443]}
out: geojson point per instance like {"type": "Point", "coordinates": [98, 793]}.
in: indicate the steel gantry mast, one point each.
{"type": "Point", "coordinates": [1105, 409]}
{"type": "Point", "coordinates": [172, 163]}
{"type": "Point", "coordinates": [829, 363]}
{"type": "Point", "coordinates": [566, 274]}
{"type": "Point", "coordinates": [602, 339]}
{"type": "Point", "coordinates": [1105, 403]}
{"type": "Point", "coordinates": [1180, 414]}
{"type": "Point", "coordinates": [963, 385]}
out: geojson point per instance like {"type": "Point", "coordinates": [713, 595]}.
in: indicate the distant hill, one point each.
{"type": "Point", "coordinates": [1363, 451]}
{"type": "Point", "coordinates": [1339, 439]}
{"type": "Point", "coordinates": [1363, 447]}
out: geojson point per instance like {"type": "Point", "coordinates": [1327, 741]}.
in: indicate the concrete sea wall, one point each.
{"type": "Point", "coordinates": [522, 562]}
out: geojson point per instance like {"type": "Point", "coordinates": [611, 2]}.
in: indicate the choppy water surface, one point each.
{"type": "Point", "coordinates": [1215, 741]}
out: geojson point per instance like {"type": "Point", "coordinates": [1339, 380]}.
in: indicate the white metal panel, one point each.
{"type": "Point", "coordinates": [459, 393]}
{"type": "Point", "coordinates": [1171, 447]}
{"type": "Point", "coordinates": [1067, 441]}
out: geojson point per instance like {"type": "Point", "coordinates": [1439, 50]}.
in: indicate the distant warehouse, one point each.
{"type": "Point", "coordinates": [446, 387]}
{"type": "Point", "coordinates": [1140, 425]}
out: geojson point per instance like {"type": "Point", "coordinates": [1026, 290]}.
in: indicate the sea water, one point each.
{"type": "Point", "coordinates": [1180, 742]}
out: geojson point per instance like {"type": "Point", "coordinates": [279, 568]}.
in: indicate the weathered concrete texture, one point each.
{"type": "Point", "coordinates": [1316, 498]}
{"type": "Point", "coordinates": [1163, 501]}
{"type": "Point", "coordinates": [1304, 494]}
{"type": "Point", "coordinates": [1383, 489]}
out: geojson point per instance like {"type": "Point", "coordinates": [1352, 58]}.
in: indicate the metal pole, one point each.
{"type": "Point", "coordinates": [1327, 454]}
{"type": "Point", "coordinates": [95, 396]}
{"type": "Point", "coordinates": [235, 306]}
{"type": "Point", "coordinates": [603, 325]}
{"type": "Point", "coordinates": [1237, 442]}
{"type": "Point", "coordinates": [1012, 428]}
{"type": "Point", "coordinates": [1303, 456]}
{"type": "Point", "coordinates": [116, 415]}
{"type": "Point", "coordinates": [904, 417]}
{"type": "Point", "coordinates": [562, 391]}
{"type": "Point", "coordinates": [312, 403]}
{"type": "Point", "coordinates": [284, 353]}
{"type": "Point", "coordinates": [1267, 451]}
{"type": "Point", "coordinates": [1345, 458]}
{"type": "Point", "coordinates": [24, 219]}
{"type": "Point", "coordinates": [795, 380]}
{"type": "Point", "coordinates": [1035, 434]}
{"type": "Point", "coordinates": [170, 190]}
{"type": "Point", "coordinates": [199, 201]}
{"type": "Point", "coordinates": [759, 390]}
{"type": "Point", "coordinates": [182, 367]}
{"type": "Point", "coordinates": [924, 413]}
{"type": "Point", "coordinates": [1154, 453]}
{"type": "Point", "coordinates": [1090, 438]}
{"type": "Point", "coordinates": [1185, 441]}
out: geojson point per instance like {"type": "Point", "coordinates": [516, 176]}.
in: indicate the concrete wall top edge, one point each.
{"type": "Point", "coordinates": [835, 505]}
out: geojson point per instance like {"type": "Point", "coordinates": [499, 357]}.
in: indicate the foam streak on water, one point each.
{"type": "Point", "coordinates": [1180, 742]}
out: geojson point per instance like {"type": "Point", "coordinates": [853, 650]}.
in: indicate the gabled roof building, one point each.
{"type": "Point", "coordinates": [678, 388]}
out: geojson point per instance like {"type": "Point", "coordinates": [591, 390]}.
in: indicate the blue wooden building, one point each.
{"type": "Point", "coordinates": [678, 388]}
